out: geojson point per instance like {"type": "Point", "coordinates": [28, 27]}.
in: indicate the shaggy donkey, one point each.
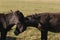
{"type": "Point", "coordinates": [7, 21]}
{"type": "Point", "coordinates": [44, 22]}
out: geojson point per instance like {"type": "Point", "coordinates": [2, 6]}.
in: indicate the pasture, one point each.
{"type": "Point", "coordinates": [29, 7]}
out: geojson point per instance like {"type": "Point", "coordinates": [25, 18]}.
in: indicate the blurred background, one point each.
{"type": "Point", "coordinates": [29, 7]}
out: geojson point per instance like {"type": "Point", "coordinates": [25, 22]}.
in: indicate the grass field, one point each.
{"type": "Point", "coordinates": [29, 7]}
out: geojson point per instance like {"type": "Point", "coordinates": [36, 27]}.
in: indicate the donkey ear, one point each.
{"type": "Point", "coordinates": [18, 11]}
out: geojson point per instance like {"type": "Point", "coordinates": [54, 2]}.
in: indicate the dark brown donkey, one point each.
{"type": "Point", "coordinates": [7, 21]}
{"type": "Point", "coordinates": [44, 22]}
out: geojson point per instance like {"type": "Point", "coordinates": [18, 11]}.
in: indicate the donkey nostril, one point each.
{"type": "Point", "coordinates": [16, 33]}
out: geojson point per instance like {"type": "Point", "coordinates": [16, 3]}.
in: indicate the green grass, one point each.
{"type": "Point", "coordinates": [29, 7]}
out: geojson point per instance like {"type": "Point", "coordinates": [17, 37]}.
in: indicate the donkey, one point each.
{"type": "Point", "coordinates": [44, 22]}
{"type": "Point", "coordinates": [7, 21]}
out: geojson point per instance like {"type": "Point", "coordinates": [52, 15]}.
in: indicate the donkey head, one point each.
{"type": "Point", "coordinates": [20, 27]}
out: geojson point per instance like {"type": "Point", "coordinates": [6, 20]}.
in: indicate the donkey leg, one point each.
{"type": "Point", "coordinates": [3, 35]}
{"type": "Point", "coordinates": [44, 34]}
